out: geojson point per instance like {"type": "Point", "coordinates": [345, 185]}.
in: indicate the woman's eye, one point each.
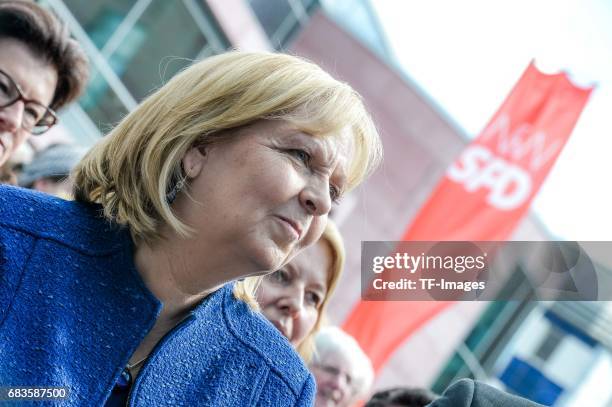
{"type": "Point", "coordinates": [280, 276]}
{"type": "Point", "coordinates": [334, 194]}
{"type": "Point", "coordinates": [32, 114]}
{"type": "Point", "coordinates": [313, 299]}
{"type": "Point", "coordinates": [301, 155]}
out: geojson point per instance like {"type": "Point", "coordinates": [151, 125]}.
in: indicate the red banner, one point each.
{"type": "Point", "coordinates": [483, 195]}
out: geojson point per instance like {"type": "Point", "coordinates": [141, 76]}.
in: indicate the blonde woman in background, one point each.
{"type": "Point", "coordinates": [227, 171]}
{"type": "Point", "coordinates": [294, 298]}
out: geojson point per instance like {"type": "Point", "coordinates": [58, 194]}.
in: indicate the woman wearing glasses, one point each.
{"type": "Point", "coordinates": [41, 70]}
{"type": "Point", "coordinates": [125, 295]}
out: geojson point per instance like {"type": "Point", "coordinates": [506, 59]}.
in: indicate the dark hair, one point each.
{"type": "Point", "coordinates": [48, 39]}
{"type": "Point", "coordinates": [402, 396]}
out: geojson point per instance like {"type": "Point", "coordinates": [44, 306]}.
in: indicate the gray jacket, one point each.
{"type": "Point", "coordinates": [469, 393]}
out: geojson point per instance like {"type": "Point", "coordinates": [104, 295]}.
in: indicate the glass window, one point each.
{"type": "Point", "coordinates": [138, 45]}
{"type": "Point", "coordinates": [550, 343]}
{"type": "Point", "coordinates": [89, 14]}
{"type": "Point", "coordinates": [163, 41]}
{"type": "Point", "coordinates": [358, 17]}
{"type": "Point", "coordinates": [101, 103]}
{"type": "Point", "coordinates": [271, 13]}
{"type": "Point", "coordinates": [281, 19]}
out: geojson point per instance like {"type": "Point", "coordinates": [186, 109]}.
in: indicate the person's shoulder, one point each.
{"type": "Point", "coordinates": [43, 216]}
{"type": "Point", "coordinates": [29, 210]}
{"type": "Point", "coordinates": [466, 392]}
{"type": "Point", "coordinates": [264, 341]}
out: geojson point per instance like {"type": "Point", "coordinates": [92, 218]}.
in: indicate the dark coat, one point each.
{"type": "Point", "coordinates": [470, 393]}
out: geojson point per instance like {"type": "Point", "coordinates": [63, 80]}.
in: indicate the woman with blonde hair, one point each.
{"type": "Point", "coordinates": [227, 171]}
{"type": "Point", "coordinates": [295, 298]}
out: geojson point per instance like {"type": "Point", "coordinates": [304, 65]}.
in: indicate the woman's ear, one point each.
{"type": "Point", "coordinates": [193, 161]}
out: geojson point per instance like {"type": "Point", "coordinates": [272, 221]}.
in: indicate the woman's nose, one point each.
{"type": "Point", "coordinates": [11, 117]}
{"type": "Point", "coordinates": [340, 384]}
{"type": "Point", "coordinates": [315, 198]}
{"type": "Point", "coordinates": [293, 304]}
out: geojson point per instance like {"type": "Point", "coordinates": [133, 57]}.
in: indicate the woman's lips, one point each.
{"type": "Point", "coordinates": [293, 225]}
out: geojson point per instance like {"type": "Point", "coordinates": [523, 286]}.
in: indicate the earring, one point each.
{"type": "Point", "coordinates": [171, 196]}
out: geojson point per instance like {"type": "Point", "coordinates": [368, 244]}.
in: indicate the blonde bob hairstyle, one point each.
{"type": "Point", "coordinates": [131, 170]}
{"type": "Point", "coordinates": [331, 236]}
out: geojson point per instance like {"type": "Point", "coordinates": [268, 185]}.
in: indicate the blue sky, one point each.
{"type": "Point", "coordinates": [467, 56]}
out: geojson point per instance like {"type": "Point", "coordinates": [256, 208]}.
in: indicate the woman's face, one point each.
{"type": "Point", "coordinates": [291, 297]}
{"type": "Point", "coordinates": [37, 81]}
{"type": "Point", "coordinates": [260, 197]}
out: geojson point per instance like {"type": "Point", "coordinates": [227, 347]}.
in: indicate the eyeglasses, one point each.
{"type": "Point", "coordinates": [37, 118]}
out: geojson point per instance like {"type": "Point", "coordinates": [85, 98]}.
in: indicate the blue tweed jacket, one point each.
{"type": "Point", "coordinates": [73, 309]}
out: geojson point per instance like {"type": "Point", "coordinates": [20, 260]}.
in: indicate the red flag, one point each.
{"type": "Point", "coordinates": [483, 195]}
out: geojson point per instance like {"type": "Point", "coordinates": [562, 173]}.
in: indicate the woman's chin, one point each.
{"type": "Point", "coordinates": [270, 259]}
